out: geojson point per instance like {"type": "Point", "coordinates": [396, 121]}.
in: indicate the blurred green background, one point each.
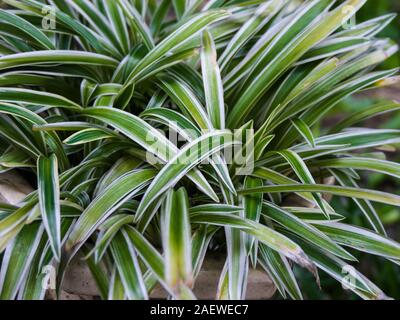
{"type": "Point", "coordinates": [374, 8]}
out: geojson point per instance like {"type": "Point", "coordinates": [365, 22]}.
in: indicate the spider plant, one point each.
{"type": "Point", "coordinates": [88, 90]}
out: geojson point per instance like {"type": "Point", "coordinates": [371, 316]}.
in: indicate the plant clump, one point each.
{"type": "Point", "coordinates": [157, 131]}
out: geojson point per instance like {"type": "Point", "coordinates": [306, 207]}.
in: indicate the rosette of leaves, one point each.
{"type": "Point", "coordinates": [87, 89]}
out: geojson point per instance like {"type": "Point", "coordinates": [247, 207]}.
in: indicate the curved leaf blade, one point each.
{"type": "Point", "coordinates": [49, 200]}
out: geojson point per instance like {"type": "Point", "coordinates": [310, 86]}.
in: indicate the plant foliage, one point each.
{"type": "Point", "coordinates": [88, 87]}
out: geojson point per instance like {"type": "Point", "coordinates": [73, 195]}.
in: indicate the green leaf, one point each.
{"type": "Point", "coordinates": [214, 91]}
{"type": "Point", "coordinates": [29, 30]}
{"type": "Point", "coordinates": [313, 215]}
{"type": "Point", "coordinates": [177, 38]}
{"type": "Point", "coordinates": [304, 131]}
{"type": "Point", "coordinates": [278, 178]}
{"type": "Point", "coordinates": [53, 141]}
{"type": "Point", "coordinates": [15, 159]}
{"type": "Point", "coordinates": [116, 290]}
{"type": "Point", "coordinates": [16, 220]}
{"type": "Point", "coordinates": [372, 111]}
{"type": "Point", "coordinates": [362, 239]}
{"type": "Point", "coordinates": [189, 131]}
{"type": "Point", "coordinates": [338, 269]}
{"type": "Point", "coordinates": [349, 141]}
{"type": "Point", "coordinates": [269, 237]}
{"type": "Point", "coordinates": [55, 56]}
{"type": "Point", "coordinates": [122, 166]}
{"type": "Point", "coordinates": [148, 137]}
{"type": "Point", "coordinates": [215, 208]}
{"type": "Point", "coordinates": [334, 47]}
{"type": "Point", "coordinates": [371, 195]}
{"type": "Point", "coordinates": [237, 256]}
{"type": "Point", "coordinates": [49, 200]}
{"type": "Point", "coordinates": [184, 96]}
{"type": "Point", "coordinates": [154, 261]}
{"type": "Point", "coordinates": [370, 27]}
{"type": "Point", "coordinates": [252, 210]}
{"type": "Point", "coordinates": [88, 135]}
{"type": "Point", "coordinates": [188, 157]}
{"type": "Point", "coordinates": [32, 287]}
{"type": "Point", "coordinates": [238, 263]}
{"type": "Point", "coordinates": [263, 77]}
{"type": "Point", "coordinates": [302, 171]}
{"type": "Point", "coordinates": [128, 268]}
{"type": "Point", "coordinates": [106, 203]}
{"type": "Point", "coordinates": [73, 26]}
{"type": "Point", "coordinates": [97, 21]}
{"type": "Point", "coordinates": [223, 289]}
{"type": "Point", "coordinates": [166, 63]}
{"type": "Point", "coordinates": [174, 120]}
{"type": "Point", "coordinates": [177, 240]}
{"type": "Point", "coordinates": [200, 242]}
{"type": "Point", "coordinates": [137, 23]}
{"type": "Point", "coordinates": [108, 230]}
{"type": "Point", "coordinates": [63, 126]}
{"type": "Point", "coordinates": [159, 16]}
{"type": "Point", "coordinates": [382, 166]}
{"type": "Point", "coordinates": [365, 206]}
{"type": "Point", "coordinates": [280, 271]}
{"type": "Point", "coordinates": [117, 81]}
{"type": "Point", "coordinates": [151, 257]}
{"type": "Point", "coordinates": [305, 230]}
{"type": "Point", "coordinates": [180, 7]}
{"type": "Point", "coordinates": [17, 260]}
{"type": "Point", "coordinates": [27, 96]}
{"type": "Point", "coordinates": [261, 17]}
{"type": "Point", "coordinates": [118, 21]}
